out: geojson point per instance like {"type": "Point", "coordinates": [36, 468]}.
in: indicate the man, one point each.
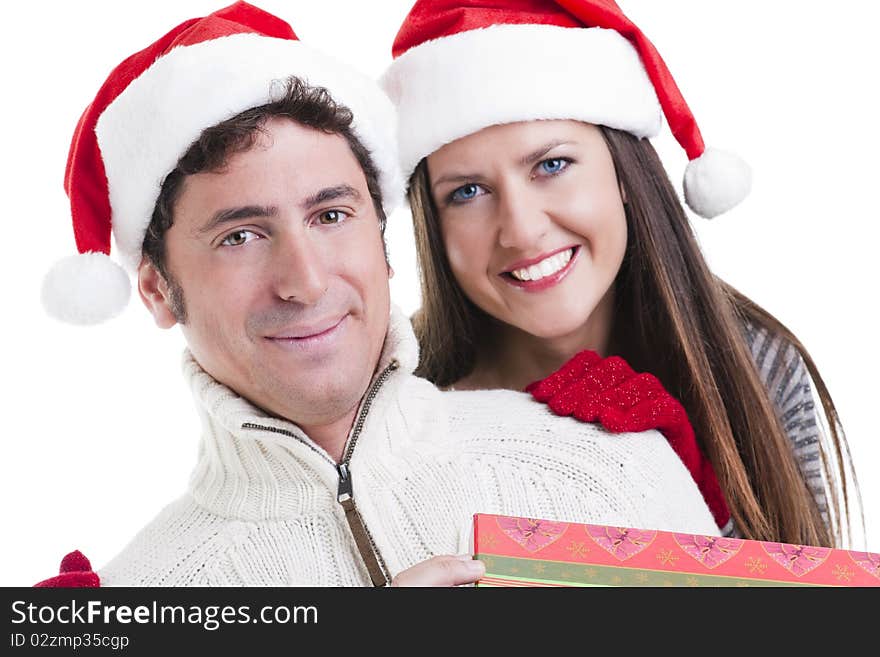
{"type": "Point", "coordinates": [252, 206]}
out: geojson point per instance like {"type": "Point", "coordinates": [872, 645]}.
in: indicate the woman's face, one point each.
{"type": "Point", "coordinates": [533, 222]}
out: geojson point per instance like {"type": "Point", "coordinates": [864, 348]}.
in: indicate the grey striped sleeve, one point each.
{"type": "Point", "coordinates": [787, 380]}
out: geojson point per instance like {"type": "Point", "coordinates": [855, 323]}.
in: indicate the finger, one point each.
{"type": "Point", "coordinates": [585, 396]}
{"type": "Point", "coordinates": [614, 406]}
{"type": "Point", "coordinates": [578, 400]}
{"type": "Point", "coordinates": [446, 570]}
{"type": "Point", "coordinates": [571, 371]}
{"type": "Point", "coordinates": [608, 373]}
{"type": "Point", "coordinates": [636, 389]}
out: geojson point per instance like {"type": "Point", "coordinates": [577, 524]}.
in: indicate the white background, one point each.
{"type": "Point", "coordinates": [98, 432]}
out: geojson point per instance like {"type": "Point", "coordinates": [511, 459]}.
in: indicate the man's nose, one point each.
{"type": "Point", "coordinates": [521, 220]}
{"type": "Point", "coordinates": [299, 269]}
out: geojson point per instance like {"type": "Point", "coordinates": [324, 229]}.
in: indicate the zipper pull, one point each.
{"type": "Point", "coordinates": [344, 492]}
{"type": "Point", "coordinates": [359, 532]}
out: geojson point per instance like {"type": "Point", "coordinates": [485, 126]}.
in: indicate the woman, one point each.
{"type": "Point", "coordinates": [546, 225]}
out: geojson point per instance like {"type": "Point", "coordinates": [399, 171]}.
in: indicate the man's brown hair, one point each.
{"type": "Point", "coordinates": [310, 106]}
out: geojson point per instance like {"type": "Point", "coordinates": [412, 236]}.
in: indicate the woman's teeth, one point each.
{"type": "Point", "coordinates": [547, 267]}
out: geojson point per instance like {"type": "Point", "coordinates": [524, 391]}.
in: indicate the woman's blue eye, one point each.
{"type": "Point", "coordinates": [553, 165]}
{"type": "Point", "coordinates": [465, 193]}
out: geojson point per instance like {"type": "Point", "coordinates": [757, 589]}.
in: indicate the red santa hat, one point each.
{"type": "Point", "coordinates": [463, 65]}
{"type": "Point", "coordinates": [151, 109]}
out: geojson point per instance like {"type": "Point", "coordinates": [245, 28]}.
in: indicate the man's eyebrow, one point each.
{"type": "Point", "coordinates": [330, 194]}
{"type": "Point", "coordinates": [538, 153]}
{"type": "Point", "coordinates": [228, 215]}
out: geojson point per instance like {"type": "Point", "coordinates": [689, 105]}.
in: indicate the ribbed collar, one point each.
{"type": "Point", "coordinates": [272, 471]}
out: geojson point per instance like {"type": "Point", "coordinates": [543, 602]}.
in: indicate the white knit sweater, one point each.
{"type": "Point", "coordinates": [262, 506]}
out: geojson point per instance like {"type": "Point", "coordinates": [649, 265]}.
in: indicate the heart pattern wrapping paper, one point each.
{"type": "Point", "coordinates": [538, 552]}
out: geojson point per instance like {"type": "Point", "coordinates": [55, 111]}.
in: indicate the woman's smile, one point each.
{"type": "Point", "coordinates": [543, 272]}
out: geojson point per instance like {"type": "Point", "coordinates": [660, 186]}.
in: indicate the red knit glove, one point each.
{"type": "Point", "coordinates": [75, 572]}
{"type": "Point", "coordinates": [609, 391]}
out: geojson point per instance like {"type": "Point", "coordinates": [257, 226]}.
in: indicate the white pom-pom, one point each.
{"type": "Point", "coordinates": [715, 182]}
{"type": "Point", "coordinates": [85, 289]}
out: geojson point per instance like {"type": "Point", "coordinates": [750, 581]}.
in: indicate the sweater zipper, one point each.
{"type": "Point", "coordinates": [363, 539]}
{"type": "Point", "coordinates": [372, 559]}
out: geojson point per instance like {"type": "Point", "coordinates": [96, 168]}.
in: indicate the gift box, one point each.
{"type": "Point", "coordinates": [535, 552]}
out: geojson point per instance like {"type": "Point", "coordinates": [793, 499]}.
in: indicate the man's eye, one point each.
{"type": "Point", "coordinates": [331, 217]}
{"type": "Point", "coordinates": [238, 237]}
{"type": "Point", "coordinates": [466, 193]}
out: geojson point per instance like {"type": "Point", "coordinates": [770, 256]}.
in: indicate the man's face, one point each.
{"type": "Point", "coordinates": [281, 265]}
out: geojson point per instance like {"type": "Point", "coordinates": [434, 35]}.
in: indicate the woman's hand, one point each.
{"type": "Point", "coordinates": [608, 391]}
{"type": "Point", "coordinates": [445, 570]}
{"type": "Point", "coordinates": [75, 572]}
{"type": "Point", "coordinates": [442, 570]}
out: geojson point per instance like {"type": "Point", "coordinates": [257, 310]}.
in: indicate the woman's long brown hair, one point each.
{"type": "Point", "coordinates": [675, 319]}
